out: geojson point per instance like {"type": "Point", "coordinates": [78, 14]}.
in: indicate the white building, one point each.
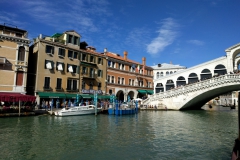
{"type": "Point", "coordinates": [164, 69]}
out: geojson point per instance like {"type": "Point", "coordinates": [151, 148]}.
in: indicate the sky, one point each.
{"type": "Point", "coordinates": [181, 32]}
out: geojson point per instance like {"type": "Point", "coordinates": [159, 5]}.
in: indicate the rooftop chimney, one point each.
{"type": "Point", "coordinates": [144, 61]}
{"type": "Point", "coordinates": [125, 53]}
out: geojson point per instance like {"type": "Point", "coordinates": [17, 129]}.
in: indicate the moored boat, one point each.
{"type": "Point", "coordinates": [78, 110]}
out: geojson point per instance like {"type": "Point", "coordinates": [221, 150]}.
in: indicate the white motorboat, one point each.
{"type": "Point", "coordinates": [77, 110]}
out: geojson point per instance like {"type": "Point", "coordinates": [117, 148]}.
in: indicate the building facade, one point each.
{"type": "Point", "coordinates": [162, 70]}
{"type": "Point", "coordinates": [127, 79]}
{"type": "Point", "coordinates": [61, 68]}
{"type": "Point", "coordinates": [14, 47]}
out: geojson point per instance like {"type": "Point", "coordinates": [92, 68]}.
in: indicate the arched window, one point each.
{"type": "Point", "coordinates": [157, 75]}
{"type": "Point", "coordinates": [21, 53]}
{"type": "Point", "coordinates": [161, 74]}
{"type": "Point", "coordinates": [167, 73]}
{"type": "Point", "coordinates": [171, 72]}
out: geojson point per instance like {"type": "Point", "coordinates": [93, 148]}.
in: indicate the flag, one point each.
{"type": "Point", "coordinates": [138, 68]}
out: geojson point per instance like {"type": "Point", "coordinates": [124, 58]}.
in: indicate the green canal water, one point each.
{"type": "Point", "coordinates": [156, 135]}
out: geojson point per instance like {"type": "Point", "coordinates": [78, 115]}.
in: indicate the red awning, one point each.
{"type": "Point", "coordinates": [15, 97]}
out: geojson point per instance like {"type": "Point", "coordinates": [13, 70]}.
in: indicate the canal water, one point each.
{"type": "Point", "coordinates": [148, 135]}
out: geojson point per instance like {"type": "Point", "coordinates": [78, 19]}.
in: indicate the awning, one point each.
{"type": "Point", "coordinates": [150, 91]}
{"type": "Point", "coordinates": [71, 96]}
{"type": "Point", "coordinates": [15, 97]}
{"type": "Point", "coordinates": [103, 97]}
{"type": "Point", "coordinates": [87, 96]}
{"type": "Point", "coordinates": [51, 95]}
{"type": "Point", "coordinates": [88, 64]}
{"type": "Point", "coordinates": [142, 91]}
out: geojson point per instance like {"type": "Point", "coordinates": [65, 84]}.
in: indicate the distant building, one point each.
{"type": "Point", "coordinates": [14, 46]}
{"type": "Point", "coordinates": [162, 70]}
{"type": "Point", "coordinates": [127, 79]}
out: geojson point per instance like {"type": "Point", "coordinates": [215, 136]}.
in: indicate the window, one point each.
{"type": "Point", "coordinates": [84, 57]}
{"type": "Point", "coordinates": [19, 78]}
{"type": "Point", "coordinates": [110, 91]}
{"type": "Point", "coordinates": [21, 53]}
{"type": "Point", "coordinates": [133, 83]}
{"type": "Point", "coordinates": [91, 72]}
{"type": "Point", "coordinates": [123, 67]}
{"type": "Point", "coordinates": [49, 64]}
{"type": "Point", "coordinates": [75, 40]}
{"type": "Point", "coordinates": [75, 55]}
{"type": "Point", "coordinates": [99, 73]}
{"type": "Point", "coordinates": [60, 66]}
{"type": "Point", "coordinates": [109, 63]}
{"type": "Point", "coordinates": [72, 84]}
{"type": "Point", "coordinates": [83, 85]}
{"type": "Point", "coordinates": [119, 80]}
{"type": "Point", "coordinates": [91, 85]}
{"type": "Point", "coordinates": [91, 59]}
{"type": "Point", "coordinates": [59, 83]}
{"type": "Point", "coordinates": [84, 70]}
{"type": "Point", "coordinates": [99, 86]}
{"type": "Point", "coordinates": [70, 38]}
{"type": "Point", "coordinates": [129, 82]}
{"type": "Point", "coordinates": [72, 68]}
{"type": "Point", "coordinates": [157, 75]}
{"type": "Point", "coordinates": [49, 49]}
{"type": "Point", "coordinates": [112, 79]}
{"type": "Point", "coordinates": [119, 66]}
{"type": "Point", "coordinates": [47, 83]}
{"type": "Point", "coordinates": [108, 80]}
{"type": "Point", "coordinates": [70, 54]}
{"type": "Point", "coordinates": [61, 52]}
{"type": "Point", "coordinates": [161, 74]}
{"type": "Point", "coordinates": [99, 60]}
{"type": "Point", "coordinates": [122, 81]}
{"type": "Point", "coordinates": [167, 73]}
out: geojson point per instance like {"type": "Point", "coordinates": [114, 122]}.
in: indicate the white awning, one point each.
{"type": "Point", "coordinates": [49, 65]}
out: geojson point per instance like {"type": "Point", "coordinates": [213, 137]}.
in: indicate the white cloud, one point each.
{"type": "Point", "coordinates": [196, 42]}
{"type": "Point", "coordinates": [166, 36]}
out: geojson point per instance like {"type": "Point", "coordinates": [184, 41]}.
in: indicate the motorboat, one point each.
{"type": "Point", "coordinates": [78, 110]}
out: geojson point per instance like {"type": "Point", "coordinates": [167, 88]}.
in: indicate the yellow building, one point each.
{"type": "Point", "coordinates": [60, 68]}
{"type": "Point", "coordinates": [14, 47]}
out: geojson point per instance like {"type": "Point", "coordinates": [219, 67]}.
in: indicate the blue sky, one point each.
{"type": "Point", "coordinates": [184, 32]}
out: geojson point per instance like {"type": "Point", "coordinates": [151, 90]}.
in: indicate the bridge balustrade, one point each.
{"type": "Point", "coordinates": [214, 81]}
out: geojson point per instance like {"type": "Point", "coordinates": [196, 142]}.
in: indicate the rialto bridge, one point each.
{"type": "Point", "coordinates": [191, 88]}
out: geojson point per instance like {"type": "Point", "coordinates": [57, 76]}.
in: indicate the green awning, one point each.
{"type": "Point", "coordinates": [142, 91]}
{"type": "Point", "coordinates": [71, 96]}
{"type": "Point", "coordinates": [87, 96]}
{"type": "Point", "coordinates": [150, 91]}
{"type": "Point", "coordinates": [103, 96]}
{"type": "Point", "coordinates": [51, 95]}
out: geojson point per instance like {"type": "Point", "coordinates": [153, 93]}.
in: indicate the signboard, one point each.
{"type": "Point", "coordinates": [91, 91]}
